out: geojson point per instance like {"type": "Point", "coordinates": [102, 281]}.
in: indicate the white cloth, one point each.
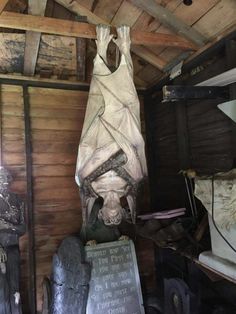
{"type": "Point", "coordinates": [112, 122]}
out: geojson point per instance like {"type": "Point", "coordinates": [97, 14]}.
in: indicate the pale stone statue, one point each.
{"type": "Point", "coordinates": [221, 188]}
{"type": "Point", "coordinates": [12, 226]}
{"type": "Point", "coordinates": [111, 156]}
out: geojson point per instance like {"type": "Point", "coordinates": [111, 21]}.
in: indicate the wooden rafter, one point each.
{"type": "Point", "coordinates": [3, 3]}
{"type": "Point", "coordinates": [164, 40]}
{"type": "Point", "coordinates": [230, 29]}
{"type": "Point", "coordinates": [77, 8]}
{"type": "Point", "coordinates": [149, 56]}
{"type": "Point", "coordinates": [32, 39]}
{"type": "Point", "coordinates": [169, 20]}
{"type": "Point", "coordinates": [84, 30]}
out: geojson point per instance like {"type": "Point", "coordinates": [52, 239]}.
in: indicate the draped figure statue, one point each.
{"type": "Point", "coordinates": [111, 156]}
{"type": "Point", "coordinates": [12, 226]}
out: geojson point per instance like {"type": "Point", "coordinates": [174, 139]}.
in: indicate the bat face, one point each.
{"type": "Point", "coordinates": [111, 216]}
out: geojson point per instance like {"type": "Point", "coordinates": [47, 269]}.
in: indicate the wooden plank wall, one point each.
{"type": "Point", "coordinates": [209, 134]}
{"type": "Point", "coordinates": [162, 154]}
{"type": "Point", "coordinates": [13, 154]}
{"type": "Point", "coordinates": [56, 122]}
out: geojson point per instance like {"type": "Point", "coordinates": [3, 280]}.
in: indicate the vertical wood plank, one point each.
{"type": "Point", "coordinates": [81, 48]}
{"type": "Point", "coordinates": [32, 40]}
{"type": "Point", "coordinates": [29, 202]}
{"type": "Point", "coordinates": [182, 135]}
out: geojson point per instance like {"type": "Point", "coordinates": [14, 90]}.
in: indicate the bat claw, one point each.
{"type": "Point", "coordinates": [123, 238]}
{"type": "Point", "coordinates": [91, 243]}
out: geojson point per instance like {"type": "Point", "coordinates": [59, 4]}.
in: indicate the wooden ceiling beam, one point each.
{"type": "Point", "coordinates": [3, 3]}
{"type": "Point", "coordinates": [11, 79]}
{"type": "Point", "coordinates": [168, 19]}
{"type": "Point", "coordinates": [150, 57]}
{"type": "Point", "coordinates": [32, 39]}
{"type": "Point", "coordinates": [47, 25]}
{"type": "Point", "coordinates": [77, 8]}
{"type": "Point", "coordinates": [163, 40]}
{"type": "Point", "coordinates": [84, 30]}
{"type": "Point", "coordinates": [77, 29]}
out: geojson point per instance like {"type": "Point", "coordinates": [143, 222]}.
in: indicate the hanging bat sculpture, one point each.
{"type": "Point", "coordinates": [111, 156]}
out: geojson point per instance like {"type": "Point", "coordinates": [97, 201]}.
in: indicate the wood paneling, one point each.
{"type": "Point", "coordinates": [208, 138]}
{"type": "Point", "coordinates": [126, 15]}
{"type": "Point", "coordinates": [170, 20]}
{"type": "Point", "coordinates": [107, 11]}
{"type": "Point", "coordinates": [12, 97]}
{"type": "Point", "coordinates": [189, 15]}
{"type": "Point", "coordinates": [11, 52]}
{"type": "Point", "coordinates": [57, 54]}
{"type": "Point", "coordinates": [56, 121]}
{"type": "Point", "coordinates": [56, 117]}
{"type": "Point", "coordinates": [222, 15]}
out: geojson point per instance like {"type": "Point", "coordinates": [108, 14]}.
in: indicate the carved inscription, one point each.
{"type": "Point", "coordinates": [114, 286]}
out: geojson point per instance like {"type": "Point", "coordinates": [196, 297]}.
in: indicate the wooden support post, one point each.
{"type": "Point", "coordinates": [182, 135]}
{"type": "Point", "coordinates": [32, 39]}
{"type": "Point", "coordinates": [150, 148]}
{"type": "Point", "coordinates": [81, 49]}
{"type": "Point", "coordinates": [29, 203]}
{"type": "Point", "coordinates": [182, 132]}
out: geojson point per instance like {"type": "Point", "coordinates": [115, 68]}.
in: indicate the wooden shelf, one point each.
{"type": "Point", "coordinates": [212, 273]}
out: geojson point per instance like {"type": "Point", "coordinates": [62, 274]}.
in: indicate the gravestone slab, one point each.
{"type": "Point", "coordinates": [114, 286]}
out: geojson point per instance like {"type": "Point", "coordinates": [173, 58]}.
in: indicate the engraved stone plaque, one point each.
{"type": "Point", "coordinates": [115, 285]}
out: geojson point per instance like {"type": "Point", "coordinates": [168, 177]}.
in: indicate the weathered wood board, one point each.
{"type": "Point", "coordinates": [114, 286]}
{"type": "Point", "coordinates": [58, 57]}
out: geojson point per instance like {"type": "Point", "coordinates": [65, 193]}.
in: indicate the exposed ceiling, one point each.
{"type": "Point", "coordinates": [34, 37]}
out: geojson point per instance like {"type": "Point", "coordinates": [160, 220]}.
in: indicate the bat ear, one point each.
{"type": "Point", "coordinates": [132, 207]}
